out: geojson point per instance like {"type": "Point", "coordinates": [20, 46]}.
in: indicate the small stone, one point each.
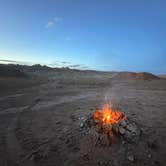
{"type": "Point", "coordinates": [123, 123]}
{"type": "Point", "coordinates": [130, 158]}
{"type": "Point", "coordinates": [73, 117]}
{"type": "Point", "coordinates": [103, 163]}
{"type": "Point", "coordinates": [82, 125]}
{"type": "Point", "coordinates": [115, 128]}
{"type": "Point", "coordinates": [107, 127]}
{"type": "Point", "coordinates": [104, 140]}
{"type": "Point", "coordinates": [131, 128]}
{"type": "Point", "coordinates": [122, 130]}
{"type": "Point", "coordinates": [96, 121]}
{"type": "Point", "coordinates": [58, 122]}
{"type": "Point", "coordinates": [86, 157]}
{"type": "Point", "coordinates": [149, 155]}
{"type": "Point", "coordinates": [157, 162]}
{"type": "Point", "coordinates": [100, 163]}
{"type": "Point", "coordinates": [123, 142]}
{"type": "Point", "coordinates": [32, 157]}
{"type": "Point", "coordinates": [111, 135]}
{"type": "Point", "coordinates": [82, 118]}
{"type": "Point", "coordinates": [152, 143]}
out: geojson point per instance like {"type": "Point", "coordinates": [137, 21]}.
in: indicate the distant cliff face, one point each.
{"type": "Point", "coordinates": [136, 76]}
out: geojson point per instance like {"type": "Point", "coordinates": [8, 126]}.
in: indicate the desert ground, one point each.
{"type": "Point", "coordinates": [40, 118]}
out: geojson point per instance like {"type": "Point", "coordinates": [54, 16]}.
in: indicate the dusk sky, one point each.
{"type": "Point", "coordinates": [98, 34]}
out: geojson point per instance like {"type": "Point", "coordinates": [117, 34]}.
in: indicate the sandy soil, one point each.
{"type": "Point", "coordinates": [39, 121]}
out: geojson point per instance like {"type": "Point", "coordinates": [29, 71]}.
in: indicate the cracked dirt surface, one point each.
{"type": "Point", "coordinates": [39, 124]}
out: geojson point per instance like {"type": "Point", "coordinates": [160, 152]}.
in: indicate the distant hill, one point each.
{"type": "Point", "coordinates": [136, 76]}
{"type": "Point", "coordinates": [162, 76]}
{"type": "Point", "coordinates": [11, 71]}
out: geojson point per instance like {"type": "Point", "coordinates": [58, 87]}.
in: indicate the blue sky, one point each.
{"type": "Point", "coordinates": [98, 34]}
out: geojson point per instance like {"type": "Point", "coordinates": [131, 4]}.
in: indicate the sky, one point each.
{"type": "Point", "coordinates": [106, 35]}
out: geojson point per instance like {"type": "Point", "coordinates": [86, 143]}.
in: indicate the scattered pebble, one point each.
{"type": "Point", "coordinates": [131, 128]}
{"type": "Point", "coordinates": [152, 143]}
{"type": "Point", "coordinates": [123, 123]}
{"type": "Point", "coordinates": [122, 130]}
{"type": "Point", "coordinates": [82, 125]}
{"type": "Point", "coordinates": [86, 157]}
{"type": "Point", "coordinates": [32, 157]}
{"type": "Point", "coordinates": [149, 155]}
{"type": "Point", "coordinates": [58, 122]}
{"type": "Point", "coordinates": [104, 163]}
{"type": "Point", "coordinates": [130, 158]}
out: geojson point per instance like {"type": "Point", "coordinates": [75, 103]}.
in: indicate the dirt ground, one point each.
{"type": "Point", "coordinates": [40, 126]}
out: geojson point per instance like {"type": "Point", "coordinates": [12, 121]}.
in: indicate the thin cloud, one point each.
{"type": "Point", "coordinates": [50, 24]}
{"type": "Point", "coordinates": [69, 65]}
{"type": "Point", "coordinates": [59, 64]}
{"type": "Point", "coordinates": [64, 62]}
{"type": "Point", "coordinates": [53, 22]}
{"type": "Point", "coordinates": [78, 66]}
{"type": "Point", "coordinates": [6, 61]}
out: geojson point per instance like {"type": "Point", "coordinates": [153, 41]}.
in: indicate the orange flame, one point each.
{"type": "Point", "coordinates": [108, 115]}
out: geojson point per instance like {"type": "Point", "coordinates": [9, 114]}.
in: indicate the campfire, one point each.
{"type": "Point", "coordinates": [110, 121]}
{"type": "Point", "coordinates": [108, 115]}
{"type": "Point", "coordinates": [108, 124]}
